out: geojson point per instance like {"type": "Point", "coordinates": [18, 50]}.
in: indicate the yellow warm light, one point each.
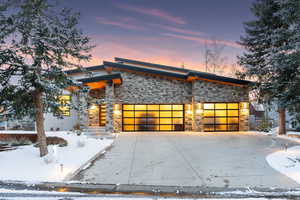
{"type": "Point", "coordinates": [244, 108]}
{"type": "Point", "coordinates": [199, 109]}
{"type": "Point", "coordinates": [117, 109]}
{"type": "Point", "coordinates": [244, 105]}
{"type": "Point", "coordinates": [189, 109]}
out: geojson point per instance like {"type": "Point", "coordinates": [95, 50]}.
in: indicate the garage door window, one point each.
{"type": "Point", "coordinates": [221, 117]}
{"type": "Point", "coordinates": [153, 117]}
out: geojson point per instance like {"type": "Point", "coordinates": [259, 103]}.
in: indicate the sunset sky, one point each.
{"type": "Point", "coordinates": [168, 32]}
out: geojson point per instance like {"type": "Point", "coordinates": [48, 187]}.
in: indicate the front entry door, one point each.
{"type": "Point", "coordinates": [97, 115]}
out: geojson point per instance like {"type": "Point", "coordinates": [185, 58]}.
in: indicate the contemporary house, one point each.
{"type": "Point", "coordinates": [129, 95]}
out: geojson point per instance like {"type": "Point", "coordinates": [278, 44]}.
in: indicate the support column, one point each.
{"type": "Point", "coordinates": [109, 99]}
{"type": "Point", "coordinates": [244, 116]}
{"type": "Point", "coordinates": [83, 109]}
{"type": "Point", "coordinates": [198, 117]}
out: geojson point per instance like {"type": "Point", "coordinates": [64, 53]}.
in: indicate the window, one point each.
{"type": "Point", "coordinates": [221, 117]}
{"type": "Point", "coordinates": [153, 117]}
{"type": "Point", "coordinates": [65, 101]}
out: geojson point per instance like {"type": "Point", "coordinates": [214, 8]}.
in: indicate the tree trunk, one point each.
{"type": "Point", "coordinates": [281, 121]}
{"type": "Point", "coordinates": [39, 118]}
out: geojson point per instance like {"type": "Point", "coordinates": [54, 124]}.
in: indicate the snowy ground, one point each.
{"type": "Point", "coordinates": [24, 164]}
{"type": "Point", "coordinates": [286, 161]}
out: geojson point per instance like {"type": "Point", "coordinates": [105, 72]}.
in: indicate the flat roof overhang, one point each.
{"type": "Point", "coordinates": [99, 82]}
{"type": "Point", "coordinates": [143, 70]}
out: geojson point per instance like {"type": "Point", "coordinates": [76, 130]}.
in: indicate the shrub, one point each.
{"type": "Point", "coordinates": [55, 141]}
{"type": "Point", "coordinates": [19, 141]}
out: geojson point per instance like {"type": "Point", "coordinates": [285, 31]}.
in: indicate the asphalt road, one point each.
{"type": "Point", "coordinates": [190, 159]}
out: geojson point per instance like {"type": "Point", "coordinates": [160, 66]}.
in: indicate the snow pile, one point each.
{"type": "Point", "coordinates": [286, 162]}
{"type": "Point", "coordinates": [24, 164]}
{"type": "Point", "coordinates": [17, 132]}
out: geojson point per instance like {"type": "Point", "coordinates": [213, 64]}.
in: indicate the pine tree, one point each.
{"type": "Point", "coordinates": [37, 43]}
{"type": "Point", "coordinates": [272, 57]}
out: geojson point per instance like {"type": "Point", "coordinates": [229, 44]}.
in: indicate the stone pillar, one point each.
{"type": "Point", "coordinates": [83, 109]}
{"type": "Point", "coordinates": [109, 99]}
{"type": "Point", "coordinates": [117, 118]}
{"type": "Point", "coordinates": [198, 117]}
{"type": "Point", "coordinates": [244, 116]}
{"type": "Point", "coordinates": [188, 118]}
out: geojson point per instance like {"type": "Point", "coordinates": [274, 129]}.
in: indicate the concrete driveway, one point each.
{"type": "Point", "coordinates": [190, 159]}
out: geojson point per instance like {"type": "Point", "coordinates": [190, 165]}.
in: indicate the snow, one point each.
{"type": "Point", "coordinates": [17, 132]}
{"type": "Point", "coordinates": [286, 162]}
{"type": "Point", "coordinates": [24, 164]}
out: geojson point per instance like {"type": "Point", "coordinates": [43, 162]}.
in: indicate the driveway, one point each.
{"type": "Point", "coordinates": [190, 159]}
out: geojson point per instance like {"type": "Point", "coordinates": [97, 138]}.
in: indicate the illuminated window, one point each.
{"type": "Point", "coordinates": [65, 101]}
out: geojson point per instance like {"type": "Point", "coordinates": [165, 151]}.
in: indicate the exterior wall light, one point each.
{"type": "Point", "coordinates": [199, 109]}
{"type": "Point", "coordinates": [189, 109]}
{"type": "Point", "coordinates": [117, 109]}
{"type": "Point", "coordinates": [244, 108]}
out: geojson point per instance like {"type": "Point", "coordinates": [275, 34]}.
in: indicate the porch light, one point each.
{"type": "Point", "coordinates": [199, 109]}
{"type": "Point", "coordinates": [244, 108]}
{"type": "Point", "coordinates": [117, 109]}
{"type": "Point", "coordinates": [189, 109]}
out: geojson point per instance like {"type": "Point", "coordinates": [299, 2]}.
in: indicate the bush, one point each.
{"type": "Point", "coordinates": [19, 141]}
{"type": "Point", "coordinates": [55, 141]}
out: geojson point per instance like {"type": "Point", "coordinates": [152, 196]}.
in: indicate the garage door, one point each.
{"type": "Point", "coordinates": [153, 117]}
{"type": "Point", "coordinates": [221, 117]}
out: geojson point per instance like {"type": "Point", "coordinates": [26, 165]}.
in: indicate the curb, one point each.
{"type": "Point", "coordinates": [157, 190]}
{"type": "Point", "coordinates": [84, 166]}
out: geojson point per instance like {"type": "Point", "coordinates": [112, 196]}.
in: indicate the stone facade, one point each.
{"type": "Point", "coordinates": [146, 89]}
{"type": "Point", "coordinates": [110, 100]}
{"type": "Point", "coordinates": [206, 91]}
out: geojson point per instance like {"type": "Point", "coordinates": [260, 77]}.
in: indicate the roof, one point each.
{"type": "Point", "coordinates": [144, 70]}
{"type": "Point", "coordinates": [214, 77]}
{"type": "Point", "coordinates": [124, 60]}
{"type": "Point", "coordinates": [159, 70]}
{"type": "Point", "coordinates": [156, 69]}
{"type": "Point", "coordinates": [92, 68]}
{"type": "Point", "coordinates": [100, 78]}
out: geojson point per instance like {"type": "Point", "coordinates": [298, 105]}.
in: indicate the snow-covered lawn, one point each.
{"type": "Point", "coordinates": [17, 132]}
{"type": "Point", "coordinates": [24, 164]}
{"type": "Point", "coordinates": [287, 161]}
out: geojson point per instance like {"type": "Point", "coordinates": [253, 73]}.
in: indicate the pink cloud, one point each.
{"type": "Point", "coordinates": [126, 23]}
{"type": "Point", "coordinates": [149, 49]}
{"type": "Point", "coordinates": [204, 41]}
{"type": "Point", "coordinates": [180, 30]}
{"type": "Point", "coordinates": [153, 12]}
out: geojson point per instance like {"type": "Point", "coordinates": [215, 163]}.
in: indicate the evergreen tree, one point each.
{"type": "Point", "coordinates": [272, 57]}
{"type": "Point", "coordinates": [37, 43]}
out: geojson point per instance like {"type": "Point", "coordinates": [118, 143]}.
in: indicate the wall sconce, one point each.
{"type": "Point", "coordinates": [244, 108]}
{"type": "Point", "coordinates": [199, 109]}
{"type": "Point", "coordinates": [117, 109]}
{"type": "Point", "coordinates": [189, 109]}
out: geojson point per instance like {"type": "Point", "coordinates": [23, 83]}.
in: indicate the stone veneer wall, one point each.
{"type": "Point", "coordinates": [146, 89]}
{"type": "Point", "coordinates": [205, 91]}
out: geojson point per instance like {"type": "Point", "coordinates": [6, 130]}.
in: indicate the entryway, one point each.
{"type": "Point", "coordinates": [97, 115]}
